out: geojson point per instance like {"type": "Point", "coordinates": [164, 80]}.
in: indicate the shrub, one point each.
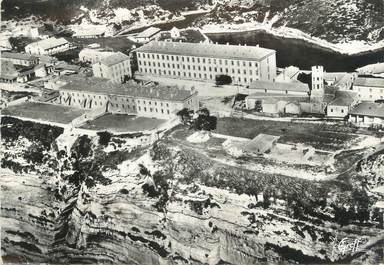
{"type": "Point", "coordinates": [104, 138]}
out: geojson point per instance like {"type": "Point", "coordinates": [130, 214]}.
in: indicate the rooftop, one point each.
{"type": "Point", "coordinates": [251, 53]}
{"type": "Point", "coordinates": [369, 82]}
{"type": "Point", "coordinates": [67, 66]}
{"type": "Point", "coordinates": [260, 143]}
{"type": "Point", "coordinates": [343, 98]}
{"type": "Point", "coordinates": [290, 71]}
{"type": "Point", "coordinates": [187, 35]}
{"type": "Point", "coordinates": [149, 32]}
{"type": "Point", "coordinates": [44, 112]}
{"type": "Point", "coordinates": [89, 32]}
{"type": "Point", "coordinates": [18, 56]}
{"type": "Point", "coordinates": [49, 43]}
{"type": "Point", "coordinates": [104, 86]}
{"type": "Point", "coordinates": [294, 86]}
{"type": "Point", "coordinates": [114, 58]}
{"type": "Point", "coordinates": [369, 109]}
{"type": "Point", "coordinates": [8, 70]}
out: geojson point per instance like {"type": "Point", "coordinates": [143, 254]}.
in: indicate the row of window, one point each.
{"type": "Point", "coordinates": [115, 105]}
{"type": "Point", "coordinates": [370, 90]}
{"type": "Point", "coordinates": [202, 68]}
{"type": "Point", "coordinates": [84, 95]}
{"type": "Point", "coordinates": [179, 58]}
{"type": "Point", "coordinates": [154, 102]}
{"type": "Point", "coordinates": [145, 109]}
{"type": "Point", "coordinates": [195, 75]}
{"type": "Point", "coordinates": [370, 96]}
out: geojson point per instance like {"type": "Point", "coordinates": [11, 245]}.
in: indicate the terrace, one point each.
{"type": "Point", "coordinates": [123, 123]}
{"type": "Point", "coordinates": [44, 112]}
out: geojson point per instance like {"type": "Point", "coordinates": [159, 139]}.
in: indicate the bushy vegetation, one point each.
{"type": "Point", "coordinates": [12, 128]}
{"type": "Point", "coordinates": [303, 199]}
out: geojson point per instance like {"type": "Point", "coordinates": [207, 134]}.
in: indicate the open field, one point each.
{"type": "Point", "coordinates": [44, 112]}
{"type": "Point", "coordinates": [114, 43]}
{"type": "Point", "coordinates": [319, 136]}
{"type": "Point", "coordinates": [123, 123]}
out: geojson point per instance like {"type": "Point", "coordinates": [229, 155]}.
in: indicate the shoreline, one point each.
{"type": "Point", "coordinates": [351, 48]}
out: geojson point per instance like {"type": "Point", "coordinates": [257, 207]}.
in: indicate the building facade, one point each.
{"type": "Point", "coordinates": [48, 46]}
{"type": "Point", "coordinates": [20, 58]}
{"type": "Point", "coordinates": [340, 106]}
{"type": "Point", "coordinates": [93, 55]}
{"type": "Point", "coordinates": [130, 98]}
{"type": "Point", "coordinates": [116, 67]}
{"type": "Point", "coordinates": [205, 61]}
{"type": "Point", "coordinates": [293, 88]}
{"type": "Point", "coordinates": [369, 89]}
{"type": "Point", "coordinates": [367, 114]}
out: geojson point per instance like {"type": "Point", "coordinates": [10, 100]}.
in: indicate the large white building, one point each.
{"type": "Point", "coordinates": [115, 67]}
{"type": "Point", "coordinates": [130, 98]}
{"type": "Point", "coordinates": [48, 46]}
{"type": "Point", "coordinates": [205, 61]}
{"type": "Point", "coordinates": [369, 89]}
{"type": "Point", "coordinates": [93, 55]}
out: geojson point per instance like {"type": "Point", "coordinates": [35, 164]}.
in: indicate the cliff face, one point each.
{"type": "Point", "coordinates": [160, 205]}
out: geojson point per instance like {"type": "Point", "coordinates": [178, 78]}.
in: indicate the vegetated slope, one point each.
{"type": "Point", "coordinates": [65, 10]}
{"type": "Point", "coordinates": [335, 21]}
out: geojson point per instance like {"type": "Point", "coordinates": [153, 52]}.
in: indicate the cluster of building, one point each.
{"type": "Point", "coordinates": [188, 55]}
{"type": "Point", "coordinates": [146, 100]}
{"type": "Point", "coordinates": [190, 35]}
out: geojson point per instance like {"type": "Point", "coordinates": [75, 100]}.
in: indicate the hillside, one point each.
{"type": "Point", "coordinates": [335, 21]}
{"type": "Point", "coordinates": [77, 199]}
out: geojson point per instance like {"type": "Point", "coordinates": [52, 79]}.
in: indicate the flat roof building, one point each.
{"type": "Point", "coordinates": [205, 61]}
{"type": "Point", "coordinates": [282, 88]}
{"type": "Point", "coordinates": [147, 35]}
{"type": "Point", "coordinates": [129, 98]}
{"type": "Point", "coordinates": [115, 67]}
{"type": "Point", "coordinates": [93, 55]}
{"type": "Point", "coordinates": [47, 46]}
{"type": "Point", "coordinates": [90, 33]}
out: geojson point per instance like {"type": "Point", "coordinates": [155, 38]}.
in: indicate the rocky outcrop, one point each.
{"type": "Point", "coordinates": [164, 205]}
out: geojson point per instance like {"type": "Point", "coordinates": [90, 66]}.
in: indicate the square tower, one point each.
{"type": "Point", "coordinates": [317, 81]}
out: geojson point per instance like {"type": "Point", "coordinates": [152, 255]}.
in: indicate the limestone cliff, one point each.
{"type": "Point", "coordinates": [159, 205]}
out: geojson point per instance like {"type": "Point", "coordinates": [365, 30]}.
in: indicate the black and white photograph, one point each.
{"type": "Point", "coordinates": [192, 132]}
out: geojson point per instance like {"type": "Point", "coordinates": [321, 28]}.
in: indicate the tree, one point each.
{"type": "Point", "coordinates": [205, 121]}
{"type": "Point", "coordinates": [104, 138]}
{"type": "Point", "coordinates": [185, 115]}
{"type": "Point", "coordinates": [258, 106]}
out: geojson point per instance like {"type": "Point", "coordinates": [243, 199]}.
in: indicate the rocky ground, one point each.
{"type": "Point", "coordinates": [335, 21]}
{"type": "Point", "coordinates": [78, 199]}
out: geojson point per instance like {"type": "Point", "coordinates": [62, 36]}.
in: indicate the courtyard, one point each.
{"type": "Point", "coordinates": [43, 112]}
{"type": "Point", "coordinates": [123, 123]}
